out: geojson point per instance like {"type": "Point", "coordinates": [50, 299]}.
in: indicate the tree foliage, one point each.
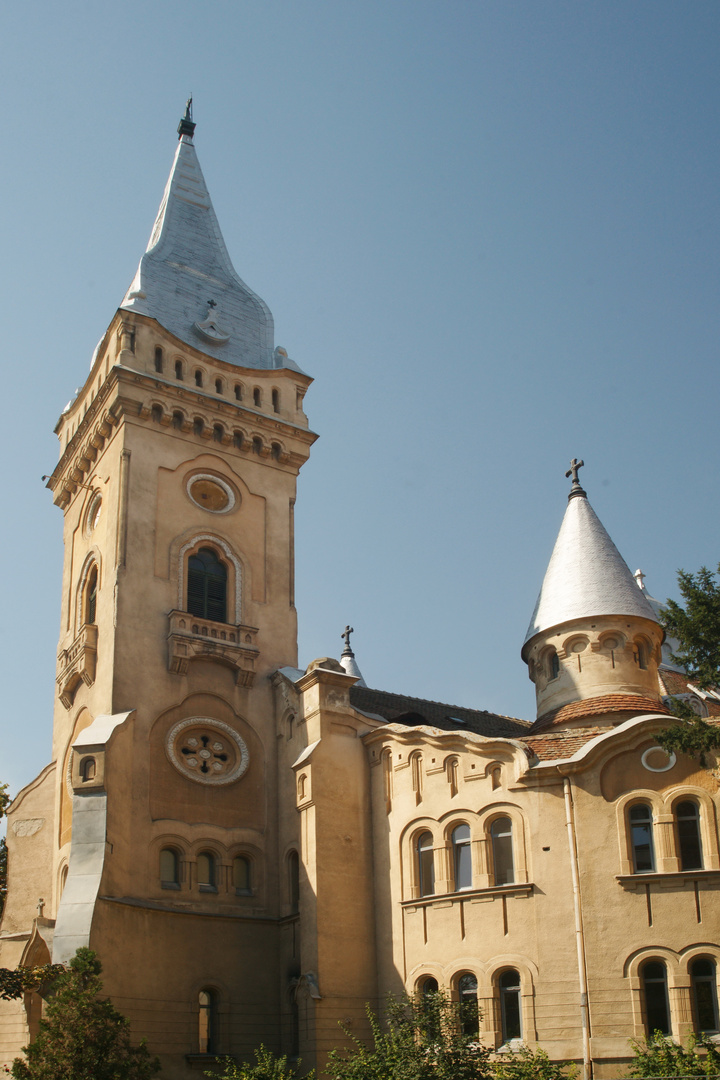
{"type": "Point", "coordinates": [660, 1056]}
{"type": "Point", "coordinates": [697, 628]}
{"type": "Point", "coordinates": [4, 803]}
{"type": "Point", "coordinates": [527, 1064]}
{"type": "Point", "coordinates": [267, 1066]}
{"type": "Point", "coordinates": [14, 982]}
{"type": "Point", "coordinates": [83, 1036]}
{"type": "Point", "coordinates": [423, 1038]}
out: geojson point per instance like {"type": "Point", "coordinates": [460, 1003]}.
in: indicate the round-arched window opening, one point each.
{"type": "Point", "coordinates": [211, 493]}
{"type": "Point", "coordinates": [93, 514]}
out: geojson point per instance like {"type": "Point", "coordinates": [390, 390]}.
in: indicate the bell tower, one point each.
{"type": "Point", "coordinates": [177, 480]}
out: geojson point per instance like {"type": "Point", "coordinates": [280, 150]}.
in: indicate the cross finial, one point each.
{"type": "Point", "coordinates": [573, 472]}
{"type": "Point", "coordinates": [346, 637]}
{"type": "Point", "coordinates": [40, 906]}
{"type": "Point", "coordinates": [186, 125]}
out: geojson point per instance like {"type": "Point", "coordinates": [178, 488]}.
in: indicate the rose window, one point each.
{"type": "Point", "coordinates": [207, 751]}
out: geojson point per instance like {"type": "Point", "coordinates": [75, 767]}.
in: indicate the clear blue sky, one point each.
{"type": "Point", "coordinates": [489, 230]}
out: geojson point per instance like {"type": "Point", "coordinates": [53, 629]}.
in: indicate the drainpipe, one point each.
{"type": "Point", "coordinates": [579, 936]}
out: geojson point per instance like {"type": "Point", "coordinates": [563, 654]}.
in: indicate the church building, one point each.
{"type": "Point", "coordinates": [256, 850]}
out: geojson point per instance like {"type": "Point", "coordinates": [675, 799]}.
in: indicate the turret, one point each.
{"type": "Point", "coordinates": [594, 642]}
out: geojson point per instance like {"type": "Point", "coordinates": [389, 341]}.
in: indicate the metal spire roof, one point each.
{"type": "Point", "coordinates": [186, 280]}
{"type": "Point", "coordinates": [586, 576]}
{"type": "Point", "coordinates": [348, 660]}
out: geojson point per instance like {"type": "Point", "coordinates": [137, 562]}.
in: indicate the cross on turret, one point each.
{"type": "Point", "coordinates": [346, 637]}
{"type": "Point", "coordinates": [573, 472]}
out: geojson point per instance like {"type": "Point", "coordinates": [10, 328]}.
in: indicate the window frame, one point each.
{"type": "Point", "coordinates": [461, 851]}
{"type": "Point", "coordinates": [633, 846]}
{"type": "Point", "coordinates": [682, 844]}
{"type": "Point", "coordinates": [650, 1029]}
{"type": "Point", "coordinates": [503, 997]}
{"type": "Point", "coordinates": [424, 863]}
{"type": "Point", "coordinates": [494, 848]}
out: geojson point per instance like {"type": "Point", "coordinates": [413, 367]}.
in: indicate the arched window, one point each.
{"type": "Point", "coordinates": [257, 397]}
{"type": "Point", "coordinates": [169, 869]}
{"type": "Point", "coordinates": [218, 432]}
{"type": "Point", "coordinates": [703, 976]}
{"type": "Point", "coordinates": [63, 879]}
{"type": "Point", "coordinates": [687, 821]}
{"type": "Point", "coordinates": [425, 864]}
{"type": "Point", "coordinates": [241, 875]}
{"type": "Point", "coordinates": [207, 586]}
{"type": "Point", "coordinates": [656, 1006]}
{"type": "Point", "coordinates": [257, 445]}
{"type": "Point", "coordinates": [553, 665]}
{"type": "Point", "coordinates": [198, 425]}
{"type": "Point", "coordinates": [641, 838]}
{"type": "Point", "coordinates": [177, 420]}
{"type": "Point", "coordinates": [156, 414]}
{"type": "Point", "coordinates": [496, 776]}
{"type": "Point", "coordinates": [275, 451]}
{"type": "Point", "coordinates": [462, 861]}
{"type": "Point", "coordinates": [207, 1022]}
{"type": "Point", "coordinates": [502, 851]}
{"type": "Point", "coordinates": [178, 370]}
{"type": "Point", "coordinates": [91, 590]}
{"type": "Point", "coordinates": [238, 439]}
{"type": "Point", "coordinates": [467, 992]}
{"type": "Point", "coordinates": [198, 377]}
{"type": "Point", "coordinates": [276, 400]}
{"type": "Point", "coordinates": [510, 1015]}
{"type": "Point", "coordinates": [238, 392]}
{"type": "Point", "coordinates": [88, 769]}
{"type": "Point", "coordinates": [206, 872]}
{"type": "Point", "coordinates": [428, 986]}
{"type": "Point", "coordinates": [416, 771]}
{"type": "Point", "coordinates": [642, 655]}
{"type": "Point", "coordinates": [218, 386]}
{"type": "Point", "coordinates": [294, 881]}
{"type": "Point", "coordinates": [158, 358]}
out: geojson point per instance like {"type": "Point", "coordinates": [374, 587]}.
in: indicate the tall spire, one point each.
{"type": "Point", "coordinates": [186, 279]}
{"type": "Point", "coordinates": [586, 576]}
{"type": "Point", "coordinates": [347, 658]}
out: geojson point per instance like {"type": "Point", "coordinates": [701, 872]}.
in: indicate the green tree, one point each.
{"type": "Point", "coordinates": [83, 1036]}
{"type": "Point", "coordinates": [527, 1064]}
{"type": "Point", "coordinates": [697, 628]}
{"type": "Point", "coordinates": [4, 803]}
{"type": "Point", "coordinates": [267, 1067]}
{"type": "Point", "coordinates": [659, 1056]}
{"type": "Point", "coordinates": [423, 1038]}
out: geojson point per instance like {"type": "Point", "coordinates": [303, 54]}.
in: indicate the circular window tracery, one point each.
{"type": "Point", "coordinates": [211, 493]}
{"type": "Point", "coordinates": [207, 751]}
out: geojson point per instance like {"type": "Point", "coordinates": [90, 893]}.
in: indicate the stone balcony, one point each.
{"type": "Point", "coordinates": [192, 638]}
{"type": "Point", "coordinates": [77, 664]}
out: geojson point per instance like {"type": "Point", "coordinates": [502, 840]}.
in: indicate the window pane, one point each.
{"type": "Point", "coordinates": [467, 989]}
{"type": "Point", "coordinates": [510, 1005]}
{"type": "Point", "coordinates": [704, 987]}
{"type": "Point", "coordinates": [426, 867]}
{"type": "Point", "coordinates": [688, 828]}
{"type": "Point", "coordinates": [641, 838]}
{"type": "Point", "coordinates": [502, 852]}
{"type": "Point", "coordinates": [462, 860]}
{"type": "Point", "coordinates": [206, 1022]}
{"type": "Point", "coordinates": [168, 867]}
{"type": "Point", "coordinates": [206, 869]}
{"type": "Point", "coordinates": [657, 1011]}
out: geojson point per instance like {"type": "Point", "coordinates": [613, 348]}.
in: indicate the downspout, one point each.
{"type": "Point", "coordinates": [579, 936]}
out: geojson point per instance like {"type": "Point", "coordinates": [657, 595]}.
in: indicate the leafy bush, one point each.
{"type": "Point", "coordinates": [268, 1067]}
{"type": "Point", "coordinates": [526, 1064]}
{"type": "Point", "coordinates": [660, 1056]}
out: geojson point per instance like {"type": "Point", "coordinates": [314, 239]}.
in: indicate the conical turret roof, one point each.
{"type": "Point", "coordinates": [186, 280]}
{"type": "Point", "coordinates": [586, 576]}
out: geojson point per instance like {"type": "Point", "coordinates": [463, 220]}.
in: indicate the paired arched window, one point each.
{"type": "Point", "coordinates": [510, 1013]}
{"type": "Point", "coordinates": [207, 1022]}
{"type": "Point", "coordinates": [207, 586]}
{"type": "Point", "coordinates": [425, 864]}
{"type": "Point", "coordinates": [462, 859]}
{"type": "Point", "coordinates": [207, 871]}
{"type": "Point", "coordinates": [703, 977]}
{"type": "Point", "coordinates": [502, 851]}
{"type": "Point", "coordinates": [641, 838]}
{"type": "Point", "coordinates": [468, 994]}
{"type": "Point", "coordinates": [687, 822]}
{"type": "Point", "coordinates": [169, 869]}
{"type": "Point", "coordinates": [656, 1004]}
{"type": "Point", "coordinates": [241, 875]}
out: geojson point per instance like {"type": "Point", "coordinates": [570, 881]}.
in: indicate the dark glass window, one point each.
{"type": "Point", "coordinates": [467, 992]}
{"type": "Point", "coordinates": [502, 851]}
{"type": "Point", "coordinates": [238, 392]}
{"type": "Point", "coordinates": [257, 400]}
{"type": "Point", "coordinates": [704, 991]}
{"type": "Point", "coordinates": [428, 986]}
{"type": "Point", "coordinates": [207, 586]}
{"type": "Point", "coordinates": [554, 665]}
{"type": "Point", "coordinates": [641, 838]}
{"type": "Point", "coordinates": [207, 1022]}
{"type": "Point", "coordinates": [687, 816]}
{"type": "Point", "coordinates": [178, 370]}
{"type": "Point", "coordinates": [425, 864]}
{"type": "Point", "coordinates": [198, 378]}
{"type": "Point", "coordinates": [655, 994]}
{"type": "Point", "coordinates": [462, 862]}
{"type": "Point", "coordinates": [509, 986]}
{"type": "Point", "coordinates": [91, 594]}
{"type": "Point", "coordinates": [158, 358]}
{"type": "Point", "coordinates": [218, 386]}
{"type": "Point", "coordinates": [276, 400]}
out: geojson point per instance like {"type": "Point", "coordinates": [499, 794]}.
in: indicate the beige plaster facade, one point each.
{"type": "Point", "coordinates": [256, 851]}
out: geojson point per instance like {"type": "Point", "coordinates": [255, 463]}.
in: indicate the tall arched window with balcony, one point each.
{"type": "Point", "coordinates": [641, 838]}
{"type": "Point", "coordinates": [207, 586]}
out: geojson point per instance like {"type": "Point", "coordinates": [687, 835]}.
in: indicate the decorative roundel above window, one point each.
{"type": "Point", "coordinates": [655, 759]}
{"type": "Point", "coordinates": [211, 493]}
{"type": "Point", "coordinates": [207, 751]}
{"type": "Point", "coordinates": [93, 514]}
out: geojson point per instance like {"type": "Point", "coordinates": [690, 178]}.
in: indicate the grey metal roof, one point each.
{"type": "Point", "coordinates": [586, 576]}
{"type": "Point", "coordinates": [187, 282]}
{"type": "Point", "coordinates": [414, 712]}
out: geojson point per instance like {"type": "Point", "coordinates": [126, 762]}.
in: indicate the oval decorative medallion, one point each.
{"type": "Point", "coordinates": [211, 493]}
{"type": "Point", "coordinates": [655, 759]}
{"type": "Point", "coordinates": [207, 751]}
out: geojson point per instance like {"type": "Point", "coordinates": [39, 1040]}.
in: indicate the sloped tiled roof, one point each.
{"type": "Point", "coordinates": [561, 744]}
{"type": "Point", "coordinates": [608, 703]}
{"type": "Point", "coordinates": [400, 709]}
{"type": "Point", "coordinates": [673, 683]}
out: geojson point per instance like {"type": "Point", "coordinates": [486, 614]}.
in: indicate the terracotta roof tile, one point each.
{"type": "Point", "coordinates": [561, 744]}
{"type": "Point", "coordinates": [608, 703]}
